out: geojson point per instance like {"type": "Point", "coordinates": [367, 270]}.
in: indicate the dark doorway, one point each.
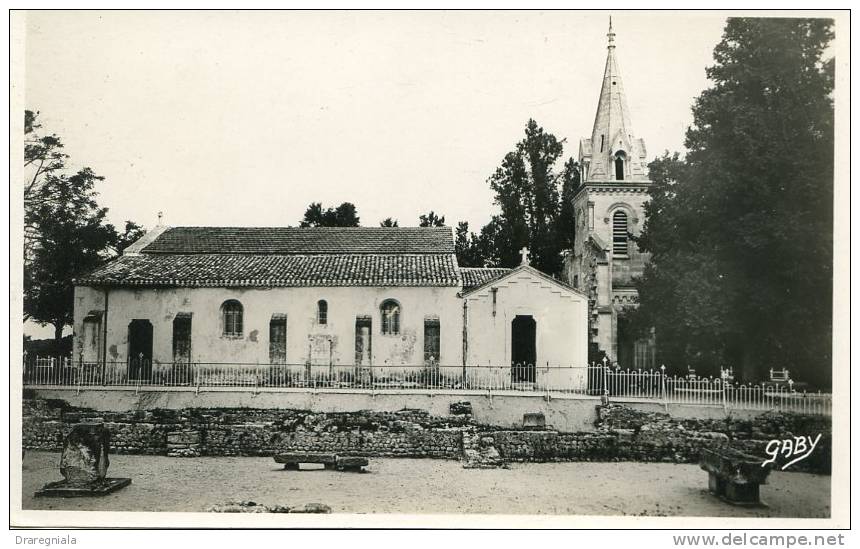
{"type": "Point", "coordinates": [363, 341]}
{"type": "Point", "coordinates": [140, 350]}
{"type": "Point", "coordinates": [278, 339]}
{"type": "Point", "coordinates": [523, 348]}
{"type": "Point", "coordinates": [624, 344]}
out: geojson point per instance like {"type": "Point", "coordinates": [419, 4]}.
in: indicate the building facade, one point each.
{"type": "Point", "coordinates": [319, 301]}
{"type": "Point", "coordinates": [609, 208]}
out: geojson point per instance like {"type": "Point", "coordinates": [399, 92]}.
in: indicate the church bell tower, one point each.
{"type": "Point", "coordinates": [609, 209]}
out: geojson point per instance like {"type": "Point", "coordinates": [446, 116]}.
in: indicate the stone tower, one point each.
{"type": "Point", "coordinates": [609, 208]}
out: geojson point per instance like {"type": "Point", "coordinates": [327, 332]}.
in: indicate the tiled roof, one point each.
{"type": "Point", "coordinates": [478, 276]}
{"type": "Point", "coordinates": [230, 270]}
{"type": "Point", "coordinates": [310, 241]}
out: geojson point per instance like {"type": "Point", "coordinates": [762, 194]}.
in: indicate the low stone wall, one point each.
{"type": "Point", "coordinates": [251, 432]}
{"type": "Point", "coordinates": [662, 436]}
{"type": "Point", "coordinates": [621, 433]}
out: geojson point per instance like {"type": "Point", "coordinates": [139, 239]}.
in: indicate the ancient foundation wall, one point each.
{"type": "Point", "coordinates": [619, 433]}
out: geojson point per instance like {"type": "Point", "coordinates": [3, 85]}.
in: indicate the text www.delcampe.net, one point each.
{"type": "Point", "coordinates": [763, 540]}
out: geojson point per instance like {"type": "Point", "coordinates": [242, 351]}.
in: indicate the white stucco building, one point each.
{"type": "Point", "coordinates": [348, 302]}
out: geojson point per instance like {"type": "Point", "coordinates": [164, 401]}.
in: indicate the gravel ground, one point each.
{"type": "Point", "coordinates": [422, 486]}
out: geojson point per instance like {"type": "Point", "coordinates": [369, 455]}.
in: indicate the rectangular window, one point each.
{"type": "Point", "coordinates": [576, 281]}
{"type": "Point", "coordinates": [432, 344]}
{"type": "Point", "coordinates": [182, 338]}
{"type": "Point", "coordinates": [278, 339]}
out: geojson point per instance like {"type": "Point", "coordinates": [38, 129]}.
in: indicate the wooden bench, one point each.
{"type": "Point", "coordinates": [734, 476]}
{"type": "Point", "coordinates": [292, 460]}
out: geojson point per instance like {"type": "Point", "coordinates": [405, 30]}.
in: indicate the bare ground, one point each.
{"type": "Point", "coordinates": [422, 486]}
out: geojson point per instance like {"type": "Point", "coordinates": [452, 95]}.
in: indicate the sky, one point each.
{"type": "Point", "coordinates": [244, 118]}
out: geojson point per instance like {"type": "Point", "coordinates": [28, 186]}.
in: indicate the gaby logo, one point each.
{"type": "Point", "coordinates": [798, 447]}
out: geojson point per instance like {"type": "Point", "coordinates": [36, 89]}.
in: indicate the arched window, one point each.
{"type": "Point", "coordinates": [231, 315]}
{"type": "Point", "coordinates": [390, 317]}
{"type": "Point", "coordinates": [619, 233]}
{"type": "Point", "coordinates": [322, 312]}
{"type": "Point", "coordinates": [619, 166]}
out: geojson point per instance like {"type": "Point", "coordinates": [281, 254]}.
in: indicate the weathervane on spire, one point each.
{"type": "Point", "coordinates": [611, 34]}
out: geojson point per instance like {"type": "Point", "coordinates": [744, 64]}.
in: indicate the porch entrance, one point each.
{"type": "Point", "coordinates": [140, 350]}
{"type": "Point", "coordinates": [523, 349]}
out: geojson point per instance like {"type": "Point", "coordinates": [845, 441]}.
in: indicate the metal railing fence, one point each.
{"type": "Point", "coordinates": [594, 379]}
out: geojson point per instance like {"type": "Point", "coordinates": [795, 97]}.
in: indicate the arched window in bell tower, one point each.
{"type": "Point", "coordinates": [619, 166]}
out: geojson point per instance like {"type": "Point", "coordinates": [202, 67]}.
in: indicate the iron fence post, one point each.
{"type": "Point", "coordinates": [605, 369]}
{"type": "Point", "coordinates": [663, 395]}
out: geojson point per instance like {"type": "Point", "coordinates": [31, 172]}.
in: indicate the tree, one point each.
{"type": "Point", "coordinates": [65, 230]}
{"type": "Point", "coordinates": [130, 235]}
{"type": "Point", "coordinates": [565, 227]}
{"type": "Point", "coordinates": [431, 220]}
{"type": "Point", "coordinates": [526, 189]}
{"type": "Point", "coordinates": [388, 222]}
{"type": "Point", "coordinates": [740, 232]}
{"type": "Point", "coordinates": [466, 247]}
{"type": "Point", "coordinates": [344, 215]}
{"type": "Point", "coordinates": [44, 161]}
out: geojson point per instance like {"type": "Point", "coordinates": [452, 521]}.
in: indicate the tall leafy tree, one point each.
{"type": "Point", "coordinates": [526, 190]}
{"type": "Point", "coordinates": [741, 232]}
{"type": "Point", "coordinates": [389, 222]}
{"type": "Point", "coordinates": [344, 215]}
{"type": "Point", "coordinates": [66, 233]}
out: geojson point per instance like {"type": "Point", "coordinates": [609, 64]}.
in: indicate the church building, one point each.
{"type": "Point", "coordinates": [609, 209]}
{"type": "Point", "coordinates": [347, 303]}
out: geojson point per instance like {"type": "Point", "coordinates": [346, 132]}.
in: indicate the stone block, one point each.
{"type": "Point", "coordinates": [291, 458]}
{"type": "Point", "coordinates": [183, 437]}
{"type": "Point", "coordinates": [535, 420]}
{"type": "Point", "coordinates": [734, 476]}
{"type": "Point", "coordinates": [85, 454]}
{"type": "Point", "coordinates": [460, 408]}
{"type": "Point", "coordinates": [350, 463]}
{"type": "Point", "coordinates": [84, 464]}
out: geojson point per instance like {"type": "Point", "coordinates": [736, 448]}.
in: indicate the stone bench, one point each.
{"type": "Point", "coordinates": [734, 476]}
{"type": "Point", "coordinates": [292, 460]}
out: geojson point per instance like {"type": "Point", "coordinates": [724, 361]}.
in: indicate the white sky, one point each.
{"type": "Point", "coordinates": [244, 118]}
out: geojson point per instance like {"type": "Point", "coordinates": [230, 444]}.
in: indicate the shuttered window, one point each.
{"type": "Point", "coordinates": [619, 233]}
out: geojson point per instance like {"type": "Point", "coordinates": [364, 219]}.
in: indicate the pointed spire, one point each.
{"type": "Point", "coordinates": [612, 134]}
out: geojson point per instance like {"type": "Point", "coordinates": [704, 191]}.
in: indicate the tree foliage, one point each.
{"type": "Point", "coordinates": [344, 215]}
{"type": "Point", "coordinates": [740, 231]}
{"type": "Point", "coordinates": [531, 210]}
{"type": "Point", "coordinates": [431, 219]}
{"type": "Point", "coordinates": [66, 233]}
{"type": "Point", "coordinates": [389, 222]}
